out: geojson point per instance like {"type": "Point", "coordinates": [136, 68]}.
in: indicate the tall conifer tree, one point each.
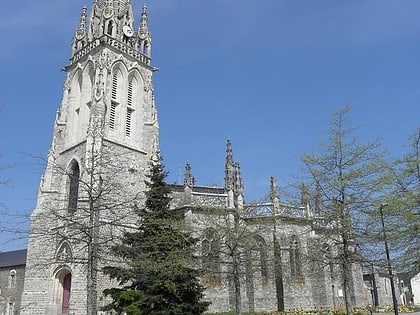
{"type": "Point", "coordinates": [157, 277]}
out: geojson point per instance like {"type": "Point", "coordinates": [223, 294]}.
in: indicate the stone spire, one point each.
{"type": "Point", "coordinates": [274, 195]}
{"type": "Point", "coordinates": [144, 29]}
{"type": "Point", "coordinates": [189, 180]}
{"type": "Point", "coordinates": [80, 37]}
{"type": "Point", "coordinates": [229, 167]}
{"type": "Point", "coordinates": [233, 179]}
{"type": "Point", "coordinates": [305, 200]}
{"type": "Point", "coordinates": [238, 187]}
{"type": "Point", "coordinates": [318, 201]}
{"type": "Point", "coordinates": [144, 37]}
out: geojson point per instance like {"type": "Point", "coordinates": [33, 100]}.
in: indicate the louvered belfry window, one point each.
{"type": "Point", "coordinates": [130, 108]}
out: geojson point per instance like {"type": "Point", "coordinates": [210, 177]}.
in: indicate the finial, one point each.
{"type": "Point", "coordinates": [318, 200]}
{"type": "Point", "coordinates": [188, 179]}
{"type": "Point", "coordinates": [273, 188]}
{"type": "Point", "coordinates": [83, 15]}
{"type": "Point", "coordinates": [143, 22]}
{"type": "Point", "coordinates": [274, 195]}
{"type": "Point", "coordinates": [229, 167]}
{"type": "Point", "coordinates": [229, 155]}
{"type": "Point", "coordinates": [304, 199]}
{"type": "Point", "coordinates": [238, 179]}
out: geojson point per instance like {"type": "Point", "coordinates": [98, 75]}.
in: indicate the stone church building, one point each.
{"type": "Point", "coordinates": [106, 132]}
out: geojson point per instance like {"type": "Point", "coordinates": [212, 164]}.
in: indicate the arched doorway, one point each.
{"type": "Point", "coordinates": [62, 291]}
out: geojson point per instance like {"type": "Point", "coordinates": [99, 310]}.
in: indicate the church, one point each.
{"type": "Point", "coordinates": [106, 132]}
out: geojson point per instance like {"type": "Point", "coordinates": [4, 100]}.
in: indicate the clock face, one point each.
{"type": "Point", "coordinates": [127, 31]}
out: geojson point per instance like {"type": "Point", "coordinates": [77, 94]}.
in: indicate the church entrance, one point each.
{"type": "Point", "coordinates": [66, 294]}
{"type": "Point", "coordinates": [62, 291]}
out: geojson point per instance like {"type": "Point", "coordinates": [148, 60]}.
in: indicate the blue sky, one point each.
{"type": "Point", "coordinates": [266, 74]}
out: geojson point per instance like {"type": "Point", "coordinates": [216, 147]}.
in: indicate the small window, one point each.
{"type": "Point", "coordinates": [12, 279]}
{"type": "Point", "coordinates": [10, 308]}
{"type": "Point", "coordinates": [74, 187]}
{"type": "Point", "coordinates": [109, 29]}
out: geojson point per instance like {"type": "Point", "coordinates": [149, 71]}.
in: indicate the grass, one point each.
{"type": "Point", "coordinates": [356, 311]}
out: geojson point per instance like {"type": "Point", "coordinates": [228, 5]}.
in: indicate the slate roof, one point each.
{"type": "Point", "coordinates": [13, 258]}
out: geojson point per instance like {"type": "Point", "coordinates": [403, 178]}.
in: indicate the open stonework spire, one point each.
{"type": "Point", "coordinates": [111, 23]}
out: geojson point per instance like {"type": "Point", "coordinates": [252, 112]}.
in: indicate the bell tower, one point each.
{"type": "Point", "coordinates": [105, 133]}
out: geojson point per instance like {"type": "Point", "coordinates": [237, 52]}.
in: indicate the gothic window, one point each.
{"type": "Point", "coordinates": [10, 308]}
{"type": "Point", "coordinates": [74, 177]}
{"type": "Point", "coordinates": [12, 279]}
{"type": "Point", "coordinates": [64, 252]}
{"type": "Point", "coordinates": [262, 248]}
{"type": "Point", "coordinates": [109, 28]}
{"type": "Point", "coordinates": [295, 263]}
{"type": "Point", "coordinates": [210, 252]}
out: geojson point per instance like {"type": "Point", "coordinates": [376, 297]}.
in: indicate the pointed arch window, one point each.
{"type": "Point", "coordinates": [211, 252]}
{"type": "Point", "coordinates": [10, 308]}
{"type": "Point", "coordinates": [74, 178]}
{"type": "Point", "coordinates": [64, 253]}
{"type": "Point", "coordinates": [12, 279]}
{"type": "Point", "coordinates": [262, 247]}
{"type": "Point", "coordinates": [295, 262]}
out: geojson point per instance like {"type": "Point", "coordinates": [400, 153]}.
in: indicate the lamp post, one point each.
{"type": "Point", "coordinates": [388, 260]}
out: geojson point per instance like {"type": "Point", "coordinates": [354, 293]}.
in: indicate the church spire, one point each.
{"type": "Point", "coordinates": [82, 24]}
{"type": "Point", "coordinates": [229, 167]}
{"type": "Point", "coordinates": [233, 179]}
{"type": "Point", "coordinates": [80, 36]}
{"type": "Point", "coordinates": [144, 36]}
{"type": "Point", "coordinates": [189, 180]}
{"type": "Point", "coordinates": [274, 195]}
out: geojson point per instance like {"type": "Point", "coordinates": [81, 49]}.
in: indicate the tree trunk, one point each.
{"type": "Point", "coordinates": [237, 284]}
{"type": "Point", "coordinates": [278, 272]}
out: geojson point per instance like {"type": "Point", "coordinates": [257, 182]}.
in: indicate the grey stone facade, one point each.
{"type": "Point", "coordinates": [307, 283]}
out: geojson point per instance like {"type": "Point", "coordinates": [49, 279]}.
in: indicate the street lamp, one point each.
{"type": "Point", "coordinates": [388, 260]}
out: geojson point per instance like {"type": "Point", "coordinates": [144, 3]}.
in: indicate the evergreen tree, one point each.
{"type": "Point", "coordinates": [157, 277]}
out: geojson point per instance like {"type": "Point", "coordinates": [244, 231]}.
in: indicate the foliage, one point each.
{"type": "Point", "coordinates": [403, 208]}
{"type": "Point", "coordinates": [347, 176]}
{"type": "Point", "coordinates": [158, 277]}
